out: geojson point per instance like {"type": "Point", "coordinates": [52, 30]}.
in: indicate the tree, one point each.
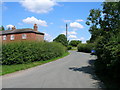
{"type": "Point", "coordinates": [2, 28]}
{"type": "Point", "coordinates": [105, 33]}
{"type": "Point", "coordinates": [61, 39]}
{"type": "Point", "coordinates": [74, 43]}
{"type": "Point", "coordinates": [93, 21]}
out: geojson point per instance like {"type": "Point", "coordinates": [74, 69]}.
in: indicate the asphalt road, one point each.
{"type": "Point", "coordinates": [72, 71]}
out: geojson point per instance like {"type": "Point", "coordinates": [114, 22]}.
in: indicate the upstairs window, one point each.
{"type": "Point", "coordinates": [12, 37]}
{"type": "Point", "coordinates": [24, 36]}
{"type": "Point", "coordinates": [4, 37]}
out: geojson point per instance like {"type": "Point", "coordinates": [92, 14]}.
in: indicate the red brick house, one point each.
{"type": "Point", "coordinates": [21, 34]}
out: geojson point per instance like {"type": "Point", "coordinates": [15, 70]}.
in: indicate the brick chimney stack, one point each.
{"type": "Point", "coordinates": [13, 28]}
{"type": "Point", "coordinates": [35, 27]}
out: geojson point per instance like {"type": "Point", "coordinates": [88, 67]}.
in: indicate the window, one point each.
{"type": "Point", "coordinates": [4, 37]}
{"type": "Point", "coordinates": [12, 37]}
{"type": "Point", "coordinates": [23, 36]}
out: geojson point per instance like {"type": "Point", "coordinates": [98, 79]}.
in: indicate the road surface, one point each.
{"type": "Point", "coordinates": [72, 71]}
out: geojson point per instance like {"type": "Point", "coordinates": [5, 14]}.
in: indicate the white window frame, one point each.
{"type": "Point", "coordinates": [24, 36]}
{"type": "Point", "coordinates": [4, 37]}
{"type": "Point", "coordinates": [12, 37]}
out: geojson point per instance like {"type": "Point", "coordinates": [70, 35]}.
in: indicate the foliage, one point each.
{"type": "Point", "coordinates": [61, 39]}
{"type": "Point", "coordinates": [74, 43]}
{"type": "Point", "coordinates": [69, 47]}
{"type": "Point", "coordinates": [85, 47]}
{"type": "Point", "coordinates": [105, 32]}
{"type": "Point", "coordinates": [2, 28]}
{"type": "Point", "coordinates": [93, 22]}
{"type": "Point", "coordinates": [109, 56]}
{"type": "Point", "coordinates": [13, 68]}
{"type": "Point", "coordinates": [24, 52]}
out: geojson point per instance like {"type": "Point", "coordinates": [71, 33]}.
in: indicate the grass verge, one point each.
{"type": "Point", "coordinates": [6, 69]}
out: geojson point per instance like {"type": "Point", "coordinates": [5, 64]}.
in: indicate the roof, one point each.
{"type": "Point", "coordinates": [17, 31]}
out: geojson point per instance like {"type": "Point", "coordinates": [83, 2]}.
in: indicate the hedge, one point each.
{"type": "Point", "coordinates": [85, 47]}
{"type": "Point", "coordinates": [108, 54]}
{"type": "Point", "coordinates": [24, 52]}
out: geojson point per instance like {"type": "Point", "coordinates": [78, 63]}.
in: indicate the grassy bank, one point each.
{"type": "Point", "coordinates": [6, 69]}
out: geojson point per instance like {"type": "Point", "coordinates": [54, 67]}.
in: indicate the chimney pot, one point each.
{"type": "Point", "coordinates": [35, 27]}
{"type": "Point", "coordinates": [13, 28]}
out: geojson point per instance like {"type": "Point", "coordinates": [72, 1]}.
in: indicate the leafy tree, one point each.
{"type": "Point", "coordinates": [2, 28]}
{"type": "Point", "coordinates": [88, 41]}
{"type": "Point", "coordinates": [93, 22]}
{"type": "Point", "coordinates": [105, 33]}
{"type": "Point", "coordinates": [61, 39]}
{"type": "Point", "coordinates": [74, 42]}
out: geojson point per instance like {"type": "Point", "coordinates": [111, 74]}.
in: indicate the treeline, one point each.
{"type": "Point", "coordinates": [105, 35]}
{"type": "Point", "coordinates": [25, 52]}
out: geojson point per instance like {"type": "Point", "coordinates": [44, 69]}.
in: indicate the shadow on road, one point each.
{"type": "Point", "coordinates": [89, 70]}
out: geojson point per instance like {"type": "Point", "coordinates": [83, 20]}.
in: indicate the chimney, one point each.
{"type": "Point", "coordinates": [13, 28]}
{"type": "Point", "coordinates": [35, 27]}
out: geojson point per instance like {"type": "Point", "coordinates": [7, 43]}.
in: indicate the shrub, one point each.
{"type": "Point", "coordinates": [24, 52]}
{"type": "Point", "coordinates": [69, 47]}
{"type": "Point", "coordinates": [74, 43]}
{"type": "Point", "coordinates": [108, 53]}
{"type": "Point", "coordinates": [85, 47]}
{"type": "Point", "coordinates": [61, 39]}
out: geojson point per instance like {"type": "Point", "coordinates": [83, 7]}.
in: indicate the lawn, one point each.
{"type": "Point", "coordinates": [6, 69]}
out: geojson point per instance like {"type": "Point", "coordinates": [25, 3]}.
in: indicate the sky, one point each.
{"type": "Point", "coordinates": [50, 16]}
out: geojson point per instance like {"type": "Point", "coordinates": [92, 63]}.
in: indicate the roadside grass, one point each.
{"type": "Point", "coordinates": [6, 69]}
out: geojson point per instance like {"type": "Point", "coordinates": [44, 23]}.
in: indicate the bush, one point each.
{"type": "Point", "coordinates": [61, 39]}
{"type": "Point", "coordinates": [74, 43]}
{"type": "Point", "coordinates": [108, 53]}
{"type": "Point", "coordinates": [24, 52]}
{"type": "Point", "coordinates": [69, 47]}
{"type": "Point", "coordinates": [85, 47]}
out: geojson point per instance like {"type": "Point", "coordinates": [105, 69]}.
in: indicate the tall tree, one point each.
{"type": "Point", "coordinates": [74, 42]}
{"type": "Point", "coordinates": [61, 39]}
{"type": "Point", "coordinates": [2, 28]}
{"type": "Point", "coordinates": [94, 20]}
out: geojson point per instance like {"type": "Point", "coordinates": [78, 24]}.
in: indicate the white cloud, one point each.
{"type": "Point", "coordinates": [20, 24]}
{"type": "Point", "coordinates": [9, 26]}
{"type": "Point", "coordinates": [48, 37]}
{"type": "Point", "coordinates": [72, 36]}
{"type": "Point", "coordinates": [72, 32]}
{"type": "Point", "coordinates": [82, 38]}
{"type": "Point", "coordinates": [69, 32]}
{"type": "Point", "coordinates": [79, 20]}
{"type": "Point", "coordinates": [76, 25]}
{"type": "Point", "coordinates": [66, 21]}
{"type": "Point", "coordinates": [38, 6]}
{"type": "Point", "coordinates": [33, 20]}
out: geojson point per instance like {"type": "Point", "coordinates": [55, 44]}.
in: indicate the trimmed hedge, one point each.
{"type": "Point", "coordinates": [24, 52]}
{"type": "Point", "coordinates": [85, 47]}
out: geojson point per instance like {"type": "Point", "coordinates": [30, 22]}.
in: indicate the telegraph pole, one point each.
{"type": "Point", "coordinates": [66, 30]}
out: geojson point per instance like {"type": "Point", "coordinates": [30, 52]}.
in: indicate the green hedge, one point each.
{"type": "Point", "coordinates": [108, 53]}
{"type": "Point", "coordinates": [85, 47]}
{"type": "Point", "coordinates": [24, 52]}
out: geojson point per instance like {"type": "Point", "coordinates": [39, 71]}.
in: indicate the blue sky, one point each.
{"type": "Point", "coordinates": [51, 17]}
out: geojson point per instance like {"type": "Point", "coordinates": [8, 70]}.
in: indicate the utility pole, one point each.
{"type": "Point", "coordinates": [66, 30]}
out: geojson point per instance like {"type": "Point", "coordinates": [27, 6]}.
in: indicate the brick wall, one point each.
{"type": "Point", "coordinates": [39, 37]}
{"type": "Point", "coordinates": [29, 37]}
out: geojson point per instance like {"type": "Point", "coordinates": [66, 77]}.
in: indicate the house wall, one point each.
{"type": "Point", "coordinates": [29, 37]}
{"type": "Point", "coordinates": [39, 37]}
